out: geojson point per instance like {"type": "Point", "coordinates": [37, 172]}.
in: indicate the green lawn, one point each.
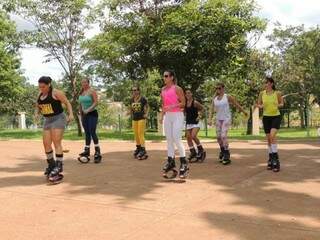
{"type": "Point", "coordinates": [292, 133]}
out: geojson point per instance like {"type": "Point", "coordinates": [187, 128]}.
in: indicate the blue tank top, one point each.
{"type": "Point", "coordinates": [86, 101]}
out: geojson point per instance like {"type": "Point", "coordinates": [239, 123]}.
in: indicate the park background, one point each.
{"type": "Point", "coordinates": [119, 43]}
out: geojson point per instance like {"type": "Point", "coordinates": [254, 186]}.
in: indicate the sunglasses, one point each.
{"type": "Point", "coordinates": [135, 90]}
{"type": "Point", "coordinates": [166, 76]}
{"type": "Point", "coordinates": [218, 88]}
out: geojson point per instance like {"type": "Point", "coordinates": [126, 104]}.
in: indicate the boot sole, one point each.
{"type": "Point", "coordinates": [171, 174]}
{"type": "Point", "coordinates": [83, 159]}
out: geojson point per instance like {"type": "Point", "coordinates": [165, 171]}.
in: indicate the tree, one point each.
{"type": "Point", "coordinates": [10, 73]}
{"type": "Point", "coordinates": [198, 39]}
{"type": "Point", "coordinates": [60, 30]}
{"type": "Point", "coordinates": [25, 101]}
{"type": "Point", "coordinates": [150, 88]}
{"type": "Point", "coordinates": [246, 77]}
{"type": "Point", "coordinates": [299, 72]}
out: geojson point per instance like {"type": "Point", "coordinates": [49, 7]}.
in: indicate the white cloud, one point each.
{"type": "Point", "coordinates": [291, 12]}
{"type": "Point", "coordinates": [288, 12]}
{"type": "Point", "coordinates": [32, 59]}
{"type": "Point", "coordinates": [21, 23]}
{"type": "Point", "coordinates": [33, 66]}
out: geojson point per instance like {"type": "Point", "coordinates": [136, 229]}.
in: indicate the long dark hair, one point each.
{"type": "Point", "coordinates": [172, 74]}
{"type": "Point", "coordinates": [136, 86]}
{"type": "Point", "coordinates": [270, 80]}
{"type": "Point", "coordinates": [88, 81]}
{"type": "Point", "coordinates": [220, 84]}
{"type": "Point", "coordinates": [46, 80]}
{"type": "Point", "coordinates": [185, 97]}
{"type": "Point", "coordinates": [188, 89]}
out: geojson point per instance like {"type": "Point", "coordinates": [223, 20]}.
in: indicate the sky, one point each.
{"type": "Point", "coordinates": [286, 12]}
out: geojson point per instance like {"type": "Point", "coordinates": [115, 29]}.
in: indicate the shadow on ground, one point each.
{"type": "Point", "coordinates": [276, 197]}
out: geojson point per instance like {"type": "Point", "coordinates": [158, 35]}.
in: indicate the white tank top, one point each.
{"type": "Point", "coordinates": [222, 108]}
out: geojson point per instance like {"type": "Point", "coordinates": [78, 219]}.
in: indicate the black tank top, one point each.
{"type": "Point", "coordinates": [191, 114]}
{"type": "Point", "coordinates": [49, 106]}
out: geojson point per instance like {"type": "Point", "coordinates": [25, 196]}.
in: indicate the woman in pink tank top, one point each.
{"type": "Point", "coordinates": [170, 99]}
{"type": "Point", "coordinates": [173, 102]}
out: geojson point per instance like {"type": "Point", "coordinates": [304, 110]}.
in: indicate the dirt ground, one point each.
{"type": "Point", "coordinates": [123, 198]}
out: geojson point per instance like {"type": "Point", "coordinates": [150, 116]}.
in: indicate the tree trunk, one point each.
{"type": "Point", "coordinates": [288, 119]}
{"type": "Point", "coordinates": [305, 111]}
{"type": "Point", "coordinates": [78, 125]}
{"type": "Point", "coordinates": [249, 123]}
{"type": "Point", "coordinates": [74, 102]}
{"type": "Point", "coordinates": [75, 107]}
{"type": "Point", "coordinates": [301, 117]}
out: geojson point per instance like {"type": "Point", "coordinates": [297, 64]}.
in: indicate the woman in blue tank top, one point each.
{"type": "Point", "coordinates": [89, 115]}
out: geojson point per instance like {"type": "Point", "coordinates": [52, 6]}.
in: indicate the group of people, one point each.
{"type": "Point", "coordinates": [179, 111]}
{"type": "Point", "coordinates": [50, 105]}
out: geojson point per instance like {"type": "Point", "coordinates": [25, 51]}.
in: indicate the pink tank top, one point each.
{"type": "Point", "coordinates": [170, 97]}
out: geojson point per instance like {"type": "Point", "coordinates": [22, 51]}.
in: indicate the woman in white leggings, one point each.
{"type": "Point", "coordinates": [173, 102]}
{"type": "Point", "coordinates": [221, 105]}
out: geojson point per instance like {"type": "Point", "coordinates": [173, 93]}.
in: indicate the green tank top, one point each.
{"type": "Point", "coordinates": [86, 101]}
{"type": "Point", "coordinates": [270, 104]}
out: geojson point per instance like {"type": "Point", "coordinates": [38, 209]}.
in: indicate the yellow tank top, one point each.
{"type": "Point", "coordinates": [270, 104]}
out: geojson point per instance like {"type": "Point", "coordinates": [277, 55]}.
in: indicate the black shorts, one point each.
{"type": "Point", "coordinates": [270, 122]}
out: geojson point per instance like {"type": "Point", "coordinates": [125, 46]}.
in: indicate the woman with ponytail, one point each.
{"type": "Point", "coordinates": [270, 100]}
{"type": "Point", "coordinates": [173, 103]}
{"type": "Point", "coordinates": [89, 115]}
{"type": "Point", "coordinates": [49, 105]}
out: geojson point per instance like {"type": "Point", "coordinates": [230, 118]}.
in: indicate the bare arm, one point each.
{"type": "Point", "coordinates": [162, 109]}
{"type": "Point", "coordinates": [129, 111]}
{"type": "Point", "coordinates": [280, 99]}
{"type": "Point", "coordinates": [63, 99]}
{"type": "Point", "coordinates": [200, 108]}
{"type": "Point", "coordinates": [235, 103]}
{"type": "Point", "coordinates": [182, 98]}
{"type": "Point", "coordinates": [146, 110]}
{"type": "Point", "coordinates": [36, 113]}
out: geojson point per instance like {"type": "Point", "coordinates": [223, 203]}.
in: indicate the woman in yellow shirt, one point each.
{"type": "Point", "coordinates": [270, 101]}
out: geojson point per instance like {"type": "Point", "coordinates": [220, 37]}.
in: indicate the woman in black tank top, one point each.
{"type": "Point", "coordinates": [49, 105]}
{"type": "Point", "coordinates": [193, 111]}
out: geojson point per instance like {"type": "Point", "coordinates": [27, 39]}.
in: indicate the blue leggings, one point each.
{"type": "Point", "coordinates": [89, 123]}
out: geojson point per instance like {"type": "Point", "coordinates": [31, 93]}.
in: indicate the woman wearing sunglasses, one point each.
{"type": "Point", "coordinates": [139, 112]}
{"type": "Point", "coordinates": [270, 100]}
{"type": "Point", "coordinates": [173, 103]}
{"type": "Point", "coordinates": [221, 105]}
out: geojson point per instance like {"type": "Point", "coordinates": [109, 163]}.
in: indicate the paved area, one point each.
{"type": "Point", "coordinates": [123, 198]}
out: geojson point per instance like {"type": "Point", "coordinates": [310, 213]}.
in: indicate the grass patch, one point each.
{"type": "Point", "coordinates": [240, 134]}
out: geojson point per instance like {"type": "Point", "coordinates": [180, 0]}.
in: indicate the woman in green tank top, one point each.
{"type": "Point", "coordinates": [88, 100]}
{"type": "Point", "coordinates": [270, 101]}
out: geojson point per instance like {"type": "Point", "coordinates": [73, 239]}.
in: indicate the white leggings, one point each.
{"type": "Point", "coordinates": [173, 124]}
{"type": "Point", "coordinates": [222, 127]}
